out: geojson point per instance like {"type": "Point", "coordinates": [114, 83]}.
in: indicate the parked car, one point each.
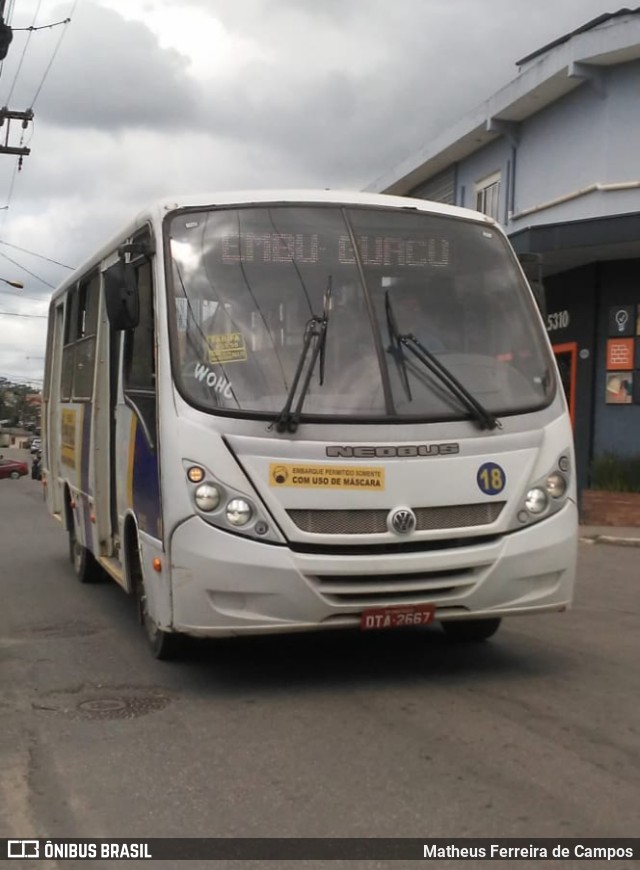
{"type": "Point", "coordinates": [36, 445]}
{"type": "Point", "coordinates": [13, 469]}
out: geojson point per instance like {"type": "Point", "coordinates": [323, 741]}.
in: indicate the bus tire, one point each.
{"type": "Point", "coordinates": [471, 630]}
{"type": "Point", "coordinates": [164, 645]}
{"type": "Point", "coordinates": [84, 564]}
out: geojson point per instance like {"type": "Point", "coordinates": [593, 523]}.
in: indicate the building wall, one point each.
{"type": "Point", "coordinates": [616, 427]}
{"type": "Point", "coordinates": [590, 136]}
{"type": "Point", "coordinates": [485, 162]}
{"type": "Point", "coordinates": [580, 303]}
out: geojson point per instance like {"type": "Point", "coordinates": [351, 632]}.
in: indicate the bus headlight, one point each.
{"type": "Point", "coordinates": [556, 485]}
{"type": "Point", "coordinates": [239, 512]}
{"type": "Point", "coordinates": [231, 510]}
{"type": "Point", "coordinates": [536, 501]}
{"type": "Point", "coordinates": [207, 497]}
{"type": "Point", "coordinates": [547, 494]}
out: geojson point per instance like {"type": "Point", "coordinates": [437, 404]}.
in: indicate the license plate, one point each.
{"type": "Point", "coordinates": [397, 617]}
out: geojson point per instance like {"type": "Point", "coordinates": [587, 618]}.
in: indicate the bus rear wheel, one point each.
{"type": "Point", "coordinates": [164, 645]}
{"type": "Point", "coordinates": [471, 630]}
{"type": "Point", "coordinates": [84, 564]}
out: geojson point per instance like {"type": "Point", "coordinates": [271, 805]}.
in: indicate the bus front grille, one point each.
{"type": "Point", "coordinates": [393, 589]}
{"type": "Point", "coordinates": [374, 522]}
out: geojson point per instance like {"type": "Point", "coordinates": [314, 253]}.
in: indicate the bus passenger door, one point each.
{"type": "Point", "coordinates": [52, 412]}
{"type": "Point", "coordinates": [137, 449]}
{"type": "Point", "coordinates": [129, 479]}
{"type": "Point", "coordinates": [115, 343]}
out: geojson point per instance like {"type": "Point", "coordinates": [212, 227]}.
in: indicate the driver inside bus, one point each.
{"type": "Point", "coordinates": [426, 310]}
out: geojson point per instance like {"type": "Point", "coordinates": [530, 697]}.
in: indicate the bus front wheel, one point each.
{"type": "Point", "coordinates": [471, 630]}
{"type": "Point", "coordinates": [164, 645]}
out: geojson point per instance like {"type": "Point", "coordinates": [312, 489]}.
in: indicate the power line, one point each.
{"type": "Point", "coordinates": [42, 26]}
{"type": "Point", "coordinates": [31, 30]}
{"type": "Point", "coordinates": [15, 314]}
{"type": "Point", "coordinates": [34, 254]}
{"type": "Point", "coordinates": [24, 51]}
{"type": "Point", "coordinates": [6, 374]}
{"type": "Point", "coordinates": [10, 194]}
{"type": "Point", "coordinates": [53, 56]}
{"type": "Point", "coordinates": [24, 269]}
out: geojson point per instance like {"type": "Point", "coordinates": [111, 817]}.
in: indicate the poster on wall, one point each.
{"type": "Point", "coordinates": [620, 354]}
{"type": "Point", "coordinates": [619, 388]}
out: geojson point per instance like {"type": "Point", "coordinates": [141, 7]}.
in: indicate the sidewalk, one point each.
{"type": "Point", "coordinates": [622, 536]}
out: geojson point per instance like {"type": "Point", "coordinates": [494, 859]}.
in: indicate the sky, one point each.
{"type": "Point", "coordinates": [135, 100]}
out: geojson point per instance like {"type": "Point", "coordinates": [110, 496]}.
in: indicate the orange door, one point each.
{"type": "Point", "coordinates": [567, 359]}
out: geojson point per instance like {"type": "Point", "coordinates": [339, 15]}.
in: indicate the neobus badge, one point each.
{"type": "Point", "coordinates": [395, 450]}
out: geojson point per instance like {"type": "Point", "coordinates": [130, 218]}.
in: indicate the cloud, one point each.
{"type": "Point", "coordinates": [112, 75]}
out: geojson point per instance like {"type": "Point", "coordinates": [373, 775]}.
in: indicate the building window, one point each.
{"type": "Point", "coordinates": [488, 196]}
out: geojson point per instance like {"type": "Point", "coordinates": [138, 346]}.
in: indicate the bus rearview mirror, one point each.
{"type": "Point", "coordinates": [121, 295]}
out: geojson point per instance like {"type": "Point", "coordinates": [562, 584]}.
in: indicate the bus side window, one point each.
{"type": "Point", "coordinates": [140, 370]}
{"type": "Point", "coordinates": [87, 296]}
{"type": "Point", "coordinates": [139, 355]}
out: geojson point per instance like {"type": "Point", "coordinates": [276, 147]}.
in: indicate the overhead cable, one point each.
{"type": "Point", "coordinates": [53, 56]}
{"type": "Point", "coordinates": [28, 271]}
{"type": "Point", "coordinates": [24, 51]}
{"type": "Point", "coordinates": [34, 254]}
{"type": "Point", "coordinates": [42, 26]}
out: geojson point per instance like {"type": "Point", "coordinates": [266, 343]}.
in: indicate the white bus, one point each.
{"type": "Point", "coordinates": [291, 411]}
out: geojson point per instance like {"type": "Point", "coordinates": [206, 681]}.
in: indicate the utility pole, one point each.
{"type": "Point", "coordinates": [8, 116]}
{"type": "Point", "coordinates": [6, 33]}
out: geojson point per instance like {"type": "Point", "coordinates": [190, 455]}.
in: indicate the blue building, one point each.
{"type": "Point", "coordinates": [555, 157]}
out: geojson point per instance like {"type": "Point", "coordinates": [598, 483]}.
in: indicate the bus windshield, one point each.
{"type": "Point", "coordinates": [246, 282]}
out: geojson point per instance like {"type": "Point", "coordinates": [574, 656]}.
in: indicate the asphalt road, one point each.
{"type": "Point", "coordinates": [535, 733]}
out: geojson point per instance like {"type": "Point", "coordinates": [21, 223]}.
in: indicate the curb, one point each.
{"type": "Point", "coordinates": [611, 540]}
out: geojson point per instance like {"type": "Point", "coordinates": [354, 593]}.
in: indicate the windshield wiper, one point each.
{"type": "Point", "coordinates": [395, 348]}
{"type": "Point", "coordinates": [315, 339]}
{"type": "Point", "coordinates": [484, 418]}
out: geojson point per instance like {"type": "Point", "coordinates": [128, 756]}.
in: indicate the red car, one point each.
{"type": "Point", "coordinates": [13, 469]}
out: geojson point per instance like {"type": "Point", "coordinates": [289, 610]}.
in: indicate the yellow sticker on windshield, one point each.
{"type": "Point", "coordinates": [326, 476]}
{"type": "Point", "coordinates": [225, 347]}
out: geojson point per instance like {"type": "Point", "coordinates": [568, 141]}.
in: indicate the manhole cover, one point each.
{"type": "Point", "coordinates": [100, 702]}
{"type": "Point", "coordinates": [103, 705]}
{"type": "Point", "coordinates": [121, 708]}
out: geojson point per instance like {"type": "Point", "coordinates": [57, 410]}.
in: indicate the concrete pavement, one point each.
{"type": "Point", "coordinates": [622, 536]}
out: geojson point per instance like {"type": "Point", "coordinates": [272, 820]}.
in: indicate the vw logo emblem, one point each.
{"type": "Point", "coordinates": [402, 521]}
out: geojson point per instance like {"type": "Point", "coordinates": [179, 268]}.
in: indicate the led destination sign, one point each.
{"type": "Point", "coordinates": [309, 248]}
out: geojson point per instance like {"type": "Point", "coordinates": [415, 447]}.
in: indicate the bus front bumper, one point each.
{"type": "Point", "coordinates": [225, 585]}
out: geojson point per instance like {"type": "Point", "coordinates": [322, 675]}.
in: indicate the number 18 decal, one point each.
{"type": "Point", "coordinates": [491, 478]}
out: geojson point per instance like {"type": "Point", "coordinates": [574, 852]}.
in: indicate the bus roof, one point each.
{"type": "Point", "coordinates": [158, 209]}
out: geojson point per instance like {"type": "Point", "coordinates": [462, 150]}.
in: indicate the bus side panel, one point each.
{"type": "Point", "coordinates": [85, 483]}
{"type": "Point", "coordinates": [145, 483]}
{"type": "Point", "coordinates": [137, 475]}
{"type": "Point", "coordinates": [138, 495]}
{"type": "Point", "coordinates": [71, 466]}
